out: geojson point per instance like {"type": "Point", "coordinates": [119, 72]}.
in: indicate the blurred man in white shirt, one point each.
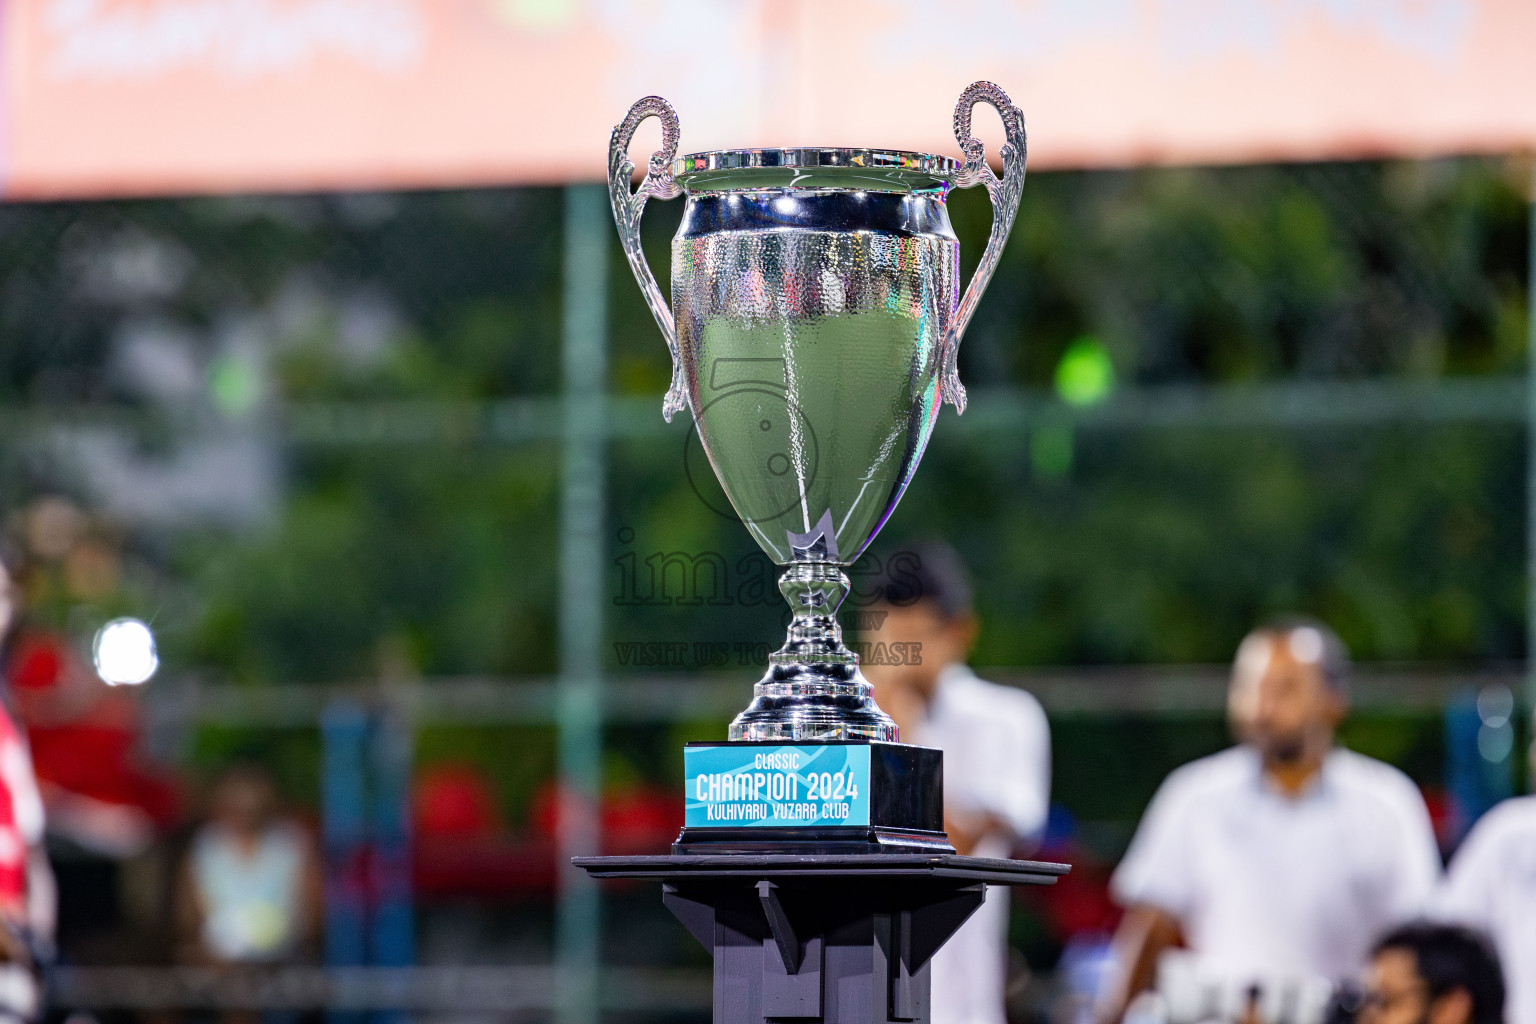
{"type": "Point", "coordinates": [1491, 885]}
{"type": "Point", "coordinates": [997, 755]}
{"type": "Point", "coordinates": [1278, 862]}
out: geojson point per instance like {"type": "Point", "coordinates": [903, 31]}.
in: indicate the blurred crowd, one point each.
{"type": "Point", "coordinates": [149, 862]}
{"type": "Point", "coordinates": [1285, 880]}
{"type": "Point", "coordinates": [220, 877]}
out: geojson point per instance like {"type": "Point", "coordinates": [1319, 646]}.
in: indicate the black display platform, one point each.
{"type": "Point", "coordinates": [839, 938]}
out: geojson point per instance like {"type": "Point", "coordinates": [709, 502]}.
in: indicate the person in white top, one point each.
{"type": "Point", "coordinates": [997, 754]}
{"type": "Point", "coordinates": [1491, 885]}
{"type": "Point", "coordinates": [250, 888]}
{"type": "Point", "coordinates": [1278, 862]}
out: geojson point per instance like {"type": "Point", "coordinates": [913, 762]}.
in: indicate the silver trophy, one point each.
{"type": "Point", "coordinates": [815, 320]}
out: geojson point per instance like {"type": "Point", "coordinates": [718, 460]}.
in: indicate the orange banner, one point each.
{"type": "Point", "coordinates": [123, 97]}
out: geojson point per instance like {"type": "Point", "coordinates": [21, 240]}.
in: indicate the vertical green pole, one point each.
{"type": "Point", "coordinates": [582, 494]}
{"type": "Point", "coordinates": [1530, 486]}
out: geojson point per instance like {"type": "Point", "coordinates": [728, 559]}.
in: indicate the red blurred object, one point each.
{"type": "Point", "coordinates": [97, 761]}
{"type": "Point", "coordinates": [645, 819]}
{"type": "Point", "coordinates": [483, 868]}
{"type": "Point", "coordinates": [84, 737]}
{"type": "Point", "coordinates": [1442, 816]}
{"type": "Point", "coordinates": [37, 665]}
{"type": "Point", "coordinates": [637, 819]}
{"type": "Point", "coordinates": [20, 821]}
{"type": "Point", "coordinates": [1079, 902]}
{"type": "Point", "coordinates": [462, 850]}
{"type": "Point", "coordinates": [454, 800]}
{"type": "Point", "coordinates": [461, 845]}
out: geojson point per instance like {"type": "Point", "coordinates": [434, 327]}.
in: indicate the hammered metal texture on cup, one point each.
{"type": "Point", "coordinates": [811, 355]}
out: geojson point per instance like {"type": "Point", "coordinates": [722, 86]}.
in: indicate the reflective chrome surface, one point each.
{"type": "Point", "coordinates": [813, 688]}
{"type": "Point", "coordinates": [809, 326]}
{"type": "Point", "coordinates": [880, 169]}
{"type": "Point", "coordinates": [816, 312]}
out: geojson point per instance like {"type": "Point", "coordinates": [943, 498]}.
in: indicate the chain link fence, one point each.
{"type": "Point", "coordinates": [326, 437]}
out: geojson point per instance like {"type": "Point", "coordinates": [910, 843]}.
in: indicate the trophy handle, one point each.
{"type": "Point", "coordinates": [1004, 193]}
{"type": "Point", "coordinates": [627, 207]}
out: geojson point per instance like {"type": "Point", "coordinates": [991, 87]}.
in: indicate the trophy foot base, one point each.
{"type": "Point", "coordinates": [836, 839]}
{"type": "Point", "coordinates": [813, 703]}
{"type": "Point", "coordinates": [773, 727]}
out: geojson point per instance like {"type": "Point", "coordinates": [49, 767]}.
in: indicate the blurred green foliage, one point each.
{"type": "Point", "coordinates": [436, 561]}
{"type": "Point", "coordinates": [1169, 546]}
{"type": "Point", "coordinates": [1254, 273]}
{"type": "Point", "coordinates": [1091, 544]}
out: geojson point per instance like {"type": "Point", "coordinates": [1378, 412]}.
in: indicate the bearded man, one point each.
{"type": "Point", "coordinates": [1278, 862]}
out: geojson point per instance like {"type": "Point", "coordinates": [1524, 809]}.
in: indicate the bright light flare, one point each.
{"type": "Point", "coordinates": [124, 652]}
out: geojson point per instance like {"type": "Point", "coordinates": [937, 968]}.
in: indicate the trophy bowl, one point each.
{"type": "Point", "coordinates": [815, 318]}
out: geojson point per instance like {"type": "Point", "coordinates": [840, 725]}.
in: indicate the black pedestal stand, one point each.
{"type": "Point", "coordinates": [843, 938]}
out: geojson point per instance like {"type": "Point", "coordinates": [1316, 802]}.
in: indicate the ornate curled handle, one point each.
{"type": "Point", "coordinates": [627, 207]}
{"type": "Point", "coordinates": [1004, 193]}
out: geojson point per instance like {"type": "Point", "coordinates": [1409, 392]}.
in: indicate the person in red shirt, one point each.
{"type": "Point", "coordinates": [102, 795]}
{"type": "Point", "coordinates": [27, 896]}
{"type": "Point", "coordinates": [84, 737]}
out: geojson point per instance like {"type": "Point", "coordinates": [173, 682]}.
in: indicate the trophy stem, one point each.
{"type": "Point", "coordinates": [815, 591]}
{"type": "Point", "coordinates": [813, 689]}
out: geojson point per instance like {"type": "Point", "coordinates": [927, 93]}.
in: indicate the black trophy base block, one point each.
{"type": "Point", "coordinates": [843, 939]}
{"type": "Point", "coordinates": [834, 839]}
{"type": "Point", "coordinates": [905, 811]}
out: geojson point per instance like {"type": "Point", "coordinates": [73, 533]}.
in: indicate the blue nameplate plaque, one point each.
{"type": "Point", "coordinates": [765, 785]}
{"type": "Point", "coordinates": [837, 790]}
